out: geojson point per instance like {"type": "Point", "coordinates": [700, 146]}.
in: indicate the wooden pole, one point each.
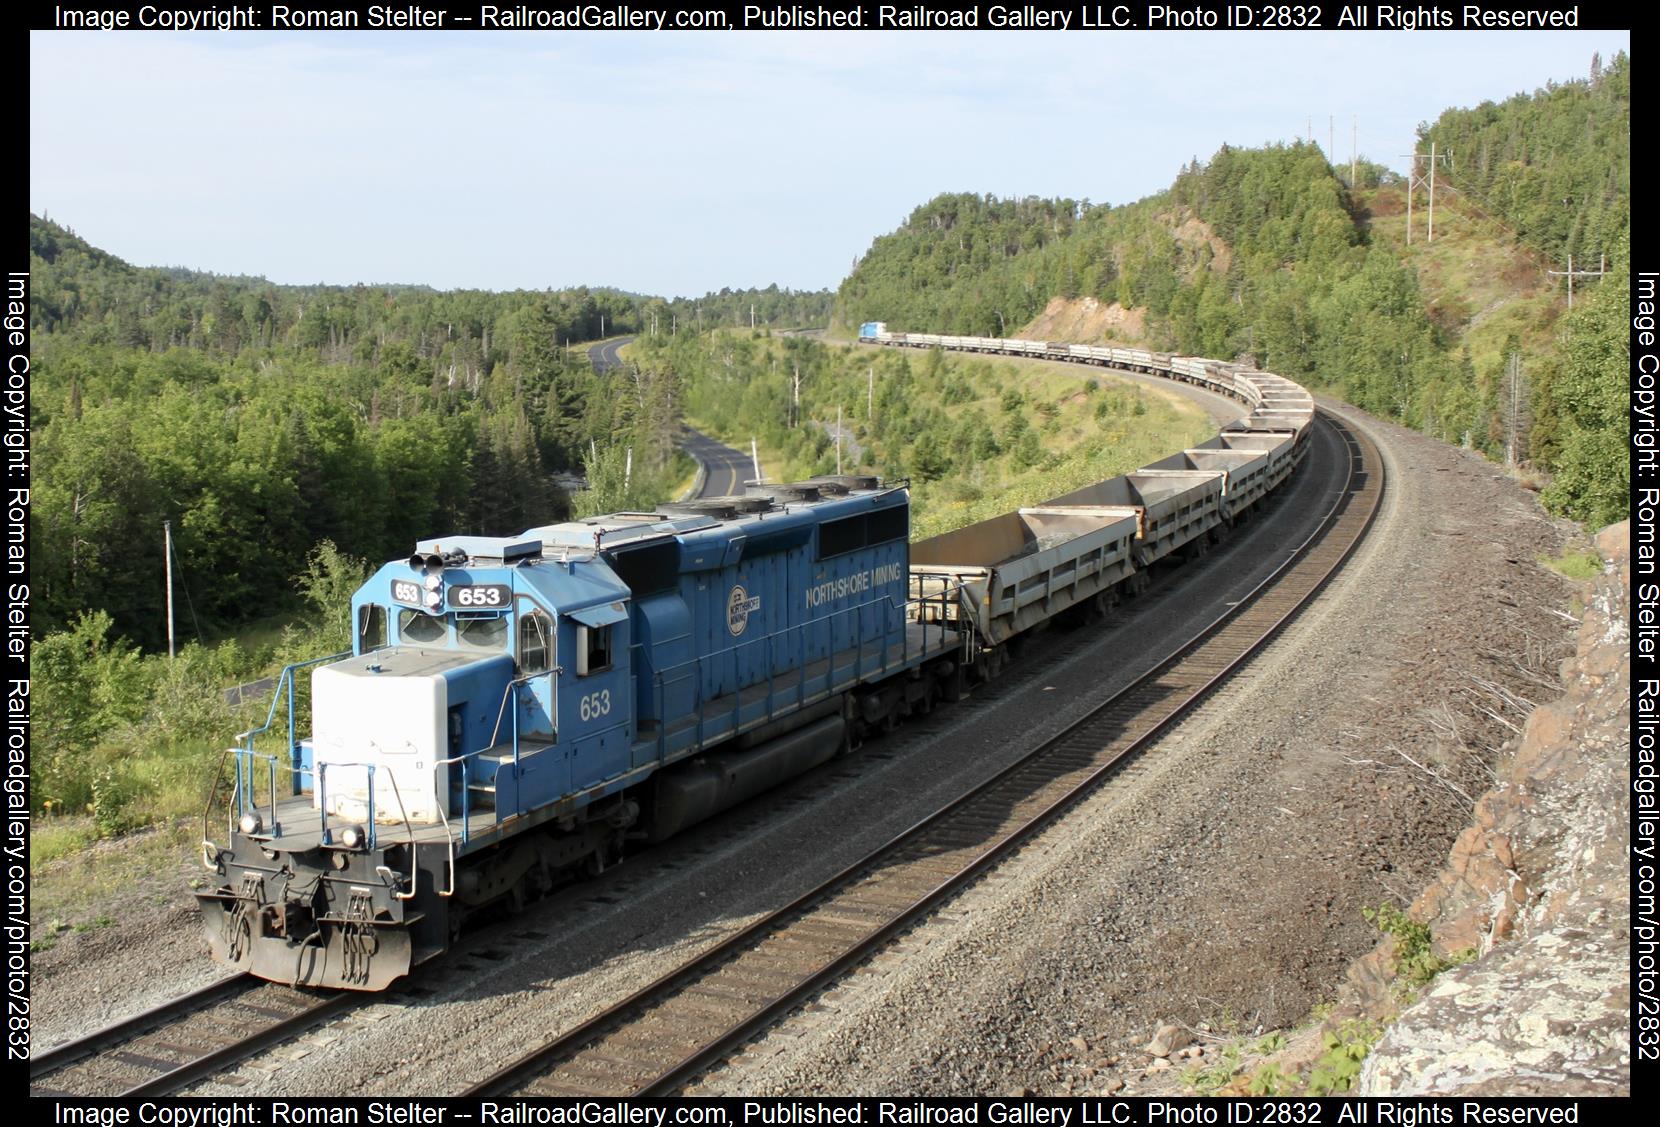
{"type": "Point", "coordinates": [167, 568]}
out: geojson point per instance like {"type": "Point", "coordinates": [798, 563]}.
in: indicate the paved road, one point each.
{"type": "Point", "coordinates": [724, 469]}
{"type": "Point", "coordinates": [607, 353]}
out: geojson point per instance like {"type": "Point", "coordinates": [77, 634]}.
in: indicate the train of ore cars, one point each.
{"type": "Point", "coordinates": [517, 709]}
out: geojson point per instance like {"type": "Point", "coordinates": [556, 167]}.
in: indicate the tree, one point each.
{"type": "Point", "coordinates": [1592, 474]}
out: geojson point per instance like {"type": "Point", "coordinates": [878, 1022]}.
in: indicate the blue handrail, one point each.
{"type": "Point", "coordinates": [245, 741]}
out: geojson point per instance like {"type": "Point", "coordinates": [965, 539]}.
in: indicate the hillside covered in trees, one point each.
{"type": "Point", "coordinates": [290, 435]}
{"type": "Point", "coordinates": [1554, 165]}
{"type": "Point", "coordinates": [1269, 255]}
{"type": "Point", "coordinates": [262, 420]}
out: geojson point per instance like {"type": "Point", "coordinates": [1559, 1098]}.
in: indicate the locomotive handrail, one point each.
{"type": "Point", "coordinates": [465, 757]}
{"type": "Point", "coordinates": [285, 680]}
{"type": "Point", "coordinates": [245, 746]}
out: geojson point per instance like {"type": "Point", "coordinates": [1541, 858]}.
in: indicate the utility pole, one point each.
{"type": "Point", "coordinates": [1513, 421]}
{"type": "Point", "coordinates": [870, 394]}
{"type": "Point", "coordinates": [1413, 181]}
{"type": "Point", "coordinates": [1571, 273]}
{"type": "Point", "coordinates": [1432, 191]}
{"type": "Point", "coordinates": [755, 458]}
{"type": "Point", "coordinates": [167, 567]}
{"type": "Point", "coordinates": [1354, 152]}
{"type": "Point", "coordinates": [838, 440]}
{"type": "Point", "coordinates": [752, 315]}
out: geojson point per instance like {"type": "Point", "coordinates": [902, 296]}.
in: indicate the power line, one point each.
{"type": "Point", "coordinates": [1571, 274]}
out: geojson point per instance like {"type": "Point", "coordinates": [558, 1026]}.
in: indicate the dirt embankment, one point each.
{"type": "Point", "coordinates": [1509, 974]}
{"type": "Point", "coordinates": [1088, 320]}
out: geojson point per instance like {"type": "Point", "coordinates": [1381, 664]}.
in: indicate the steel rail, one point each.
{"type": "Point", "coordinates": [150, 1041]}
{"type": "Point", "coordinates": [127, 1028]}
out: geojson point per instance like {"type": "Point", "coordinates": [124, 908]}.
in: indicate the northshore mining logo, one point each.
{"type": "Point", "coordinates": [738, 607]}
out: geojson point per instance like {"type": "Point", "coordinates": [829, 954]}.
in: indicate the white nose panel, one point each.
{"type": "Point", "coordinates": [393, 721]}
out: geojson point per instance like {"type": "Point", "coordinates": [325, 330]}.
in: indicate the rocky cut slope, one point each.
{"type": "Point", "coordinates": [1538, 886]}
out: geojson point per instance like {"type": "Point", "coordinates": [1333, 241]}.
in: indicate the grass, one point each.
{"type": "Point", "coordinates": [78, 889]}
{"type": "Point", "coordinates": [1208, 1078]}
{"type": "Point", "coordinates": [55, 837]}
{"type": "Point", "coordinates": [1580, 564]}
{"type": "Point", "coordinates": [1344, 1050]}
{"type": "Point", "coordinates": [1415, 957]}
{"type": "Point", "coordinates": [1080, 442]}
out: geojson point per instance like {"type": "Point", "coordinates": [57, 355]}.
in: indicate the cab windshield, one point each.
{"type": "Point", "coordinates": [481, 633]}
{"type": "Point", "coordinates": [420, 629]}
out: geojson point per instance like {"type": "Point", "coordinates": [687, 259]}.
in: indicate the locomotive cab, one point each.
{"type": "Point", "coordinates": [479, 675]}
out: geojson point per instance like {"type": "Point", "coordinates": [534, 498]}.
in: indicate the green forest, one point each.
{"type": "Point", "coordinates": [290, 435]}
{"type": "Point", "coordinates": [262, 420]}
{"type": "Point", "coordinates": [1268, 255]}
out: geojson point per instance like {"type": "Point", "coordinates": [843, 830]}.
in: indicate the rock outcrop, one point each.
{"type": "Point", "coordinates": [1538, 887]}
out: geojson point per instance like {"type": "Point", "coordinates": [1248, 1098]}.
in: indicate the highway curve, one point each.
{"type": "Point", "coordinates": [724, 469]}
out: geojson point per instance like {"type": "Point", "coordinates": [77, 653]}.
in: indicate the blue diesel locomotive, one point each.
{"type": "Point", "coordinates": [515, 709]}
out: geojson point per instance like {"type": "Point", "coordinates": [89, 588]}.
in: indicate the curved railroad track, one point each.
{"type": "Point", "coordinates": [671, 1030]}
{"type": "Point", "coordinates": [179, 1042]}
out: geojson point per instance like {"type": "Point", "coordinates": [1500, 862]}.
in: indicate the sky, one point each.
{"type": "Point", "coordinates": [679, 163]}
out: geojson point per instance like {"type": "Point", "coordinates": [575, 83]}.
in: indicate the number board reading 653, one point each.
{"type": "Point", "coordinates": [479, 596]}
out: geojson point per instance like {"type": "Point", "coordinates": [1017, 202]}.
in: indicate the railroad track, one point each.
{"type": "Point", "coordinates": [677, 1027]}
{"type": "Point", "coordinates": [179, 1042]}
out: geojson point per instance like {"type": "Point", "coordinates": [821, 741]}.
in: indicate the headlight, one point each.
{"type": "Point", "coordinates": [353, 837]}
{"type": "Point", "coordinates": [250, 823]}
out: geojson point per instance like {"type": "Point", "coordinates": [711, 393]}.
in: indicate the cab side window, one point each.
{"type": "Point", "coordinates": [371, 627]}
{"type": "Point", "coordinates": [593, 649]}
{"type": "Point", "coordinates": [535, 643]}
